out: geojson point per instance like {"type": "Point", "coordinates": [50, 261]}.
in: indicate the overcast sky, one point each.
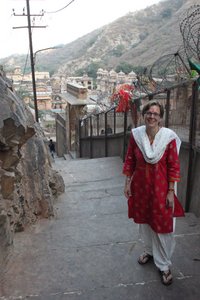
{"type": "Point", "coordinates": [77, 19]}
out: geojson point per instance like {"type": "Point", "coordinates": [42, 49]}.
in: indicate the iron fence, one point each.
{"type": "Point", "coordinates": [182, 114]}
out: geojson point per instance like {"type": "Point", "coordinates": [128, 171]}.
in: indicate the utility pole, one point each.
{"type": "Point", "coordinates": [31, 51]}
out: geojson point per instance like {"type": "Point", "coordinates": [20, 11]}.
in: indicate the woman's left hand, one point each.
{"type": "Point", "coordinates": [170, 199]}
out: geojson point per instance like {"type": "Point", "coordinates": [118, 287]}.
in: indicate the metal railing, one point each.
{"type": "Point", "coordinates": [182, 114]}
{"type": "Point", "coordinates": [103, 126]}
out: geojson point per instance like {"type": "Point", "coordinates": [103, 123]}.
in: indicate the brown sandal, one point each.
{"type": "Point", "coordinates": [166, 277]}
{"type": "Point", "coordinates": [144, 258]}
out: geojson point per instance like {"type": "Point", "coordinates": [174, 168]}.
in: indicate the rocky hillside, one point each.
{"type": "Point", "coordinates": [136, 39]}
{"type": "Point", "coordinates": [28, 184]}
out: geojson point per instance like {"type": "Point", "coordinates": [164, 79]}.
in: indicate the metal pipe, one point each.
{"type": "Point", "coordinates": [80, 136]}
{"type": "Point", "coordinates": [124, 136]}
{"type": "Point", "coordinates": [114, 120]}
{"type": "Point", "coordinates": [191, 145]}
{"type": "Point", "coordinates": [106, 138]}
{"type": "Point", "coordinates": [167, 109]}
{"type": "Point", "coordinates": [91, 146]}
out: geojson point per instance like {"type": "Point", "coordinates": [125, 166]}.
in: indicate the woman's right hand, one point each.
{"type": "Point", "coordinates": [127, 189]}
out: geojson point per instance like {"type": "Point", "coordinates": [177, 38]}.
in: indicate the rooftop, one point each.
{"type": "Point", "coordinates": [75, 101]}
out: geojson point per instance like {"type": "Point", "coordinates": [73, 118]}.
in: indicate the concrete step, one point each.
{"type": "Point", "coordinates": [89, 250]}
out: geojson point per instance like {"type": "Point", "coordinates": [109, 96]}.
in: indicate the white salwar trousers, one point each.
{"type": "Point", "coordinates": [160, 245]}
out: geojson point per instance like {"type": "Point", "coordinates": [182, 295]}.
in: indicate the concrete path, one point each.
{"type": "Point", "coordinates": [89, 250]}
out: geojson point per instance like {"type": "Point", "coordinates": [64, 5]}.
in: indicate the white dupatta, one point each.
{"type": "Point", "coordinates": [152, 153]}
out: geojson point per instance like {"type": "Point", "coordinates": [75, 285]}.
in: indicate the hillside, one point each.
{"type": "Point", "coordinates": [134, 40]}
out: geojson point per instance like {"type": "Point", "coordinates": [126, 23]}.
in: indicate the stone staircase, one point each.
{"type": "Point", "coordinates": [89, 250]}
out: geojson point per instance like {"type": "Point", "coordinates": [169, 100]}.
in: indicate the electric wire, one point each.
{"type": "Point", "coordinates": [24, 70]}
{"type": "Point", "coordinates": [53, 12]}
{"type": "Point", "coordinates": [26, 61]}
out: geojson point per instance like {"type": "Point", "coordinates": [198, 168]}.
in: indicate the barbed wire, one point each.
{"type": "Point", "coordinates": [174, 68]}
{"type": "Point", "coordinates": [190, 30]}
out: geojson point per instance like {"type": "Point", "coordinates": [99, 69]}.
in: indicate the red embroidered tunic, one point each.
{"type": "Point", "coordinates": [149, 187]}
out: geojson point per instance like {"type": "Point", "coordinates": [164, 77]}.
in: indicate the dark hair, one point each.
{"type": "Point", "coordinates": [152, 103]}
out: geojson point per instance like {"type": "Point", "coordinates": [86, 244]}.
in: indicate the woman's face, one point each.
{"type": "Point", "coordinates": [152, 117]}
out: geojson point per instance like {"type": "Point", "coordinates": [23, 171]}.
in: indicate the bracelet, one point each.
{"type": "Point", "coordinates": [128, 178]}
{"type": "Point", "coordinates": [171, 189]}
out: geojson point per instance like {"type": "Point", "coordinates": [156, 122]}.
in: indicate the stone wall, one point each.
{"type": "Point", "coordinates": [28, 184]}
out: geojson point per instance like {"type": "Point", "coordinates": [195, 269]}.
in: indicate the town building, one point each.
{"type": "Point", "coordinates": [107, 81]}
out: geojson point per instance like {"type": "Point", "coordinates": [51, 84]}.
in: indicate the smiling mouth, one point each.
{"type": "Point", "coordinates": [151, 120]}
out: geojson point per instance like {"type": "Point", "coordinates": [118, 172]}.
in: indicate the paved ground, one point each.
{"type": "Point", "coordinates": [89, 250]}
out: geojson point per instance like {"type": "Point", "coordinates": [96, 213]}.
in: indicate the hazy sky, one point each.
{"type": "Point", "coordinates": [64, 26]}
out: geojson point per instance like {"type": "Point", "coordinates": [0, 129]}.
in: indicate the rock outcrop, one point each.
{"type": "Point", "coordinates": [28, 184]}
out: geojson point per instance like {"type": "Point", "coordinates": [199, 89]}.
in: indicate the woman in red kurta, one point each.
{"type": "Point", "coordinates": [151, 168]}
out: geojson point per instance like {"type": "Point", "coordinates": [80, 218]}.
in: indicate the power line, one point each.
{"type": "Point", "coordinates": [29, 15]}
{"type": "Point", "coordinates": [53, 12]}
{"type": "Point", "coordinates": [25, 65]}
